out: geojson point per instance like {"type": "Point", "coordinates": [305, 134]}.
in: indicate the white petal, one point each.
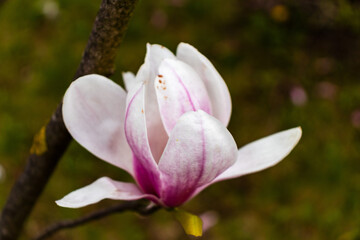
{"type": "Point", "coordinates": [129, 80]}
{"type": "Point", "coordinates": [215, 85]}
{"type": "Point", "coordinates": [179, 89]}
{"type": "Point", "coordinates": [155, 54]}
{"type": "Point", "coordinates": [199, 149]}
{"type": "Point", "coordinates": [103, 188]}
{"type": "Point", "coordinates": [263, 153]}
{"type": "Point", "coordinates": [94, 113]}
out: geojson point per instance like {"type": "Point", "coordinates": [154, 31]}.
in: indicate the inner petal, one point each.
{"type": "Point", "coordinates": [156, 133]}
{"type": "Point", "coordinates": [179, 89]}
{"type": "Point", "coordinates": [145, 167]}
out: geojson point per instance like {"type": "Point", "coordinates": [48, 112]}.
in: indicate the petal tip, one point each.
{"type": "Point", "coordinates": [66, 204]}
{"type": "Point", "coordinates": [297, 133]}
{"type": "Point", "coordinates": [299, 129]}
{"type": "Point", "coordinates": [184, 44]}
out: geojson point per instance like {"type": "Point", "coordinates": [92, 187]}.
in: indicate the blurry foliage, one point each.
{"type": "Point", "coordinates": [264, 49]}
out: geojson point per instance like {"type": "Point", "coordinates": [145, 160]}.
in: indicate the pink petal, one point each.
{"type": "Point", "coordinates": [103, 188]}
{"type": "Point", "coordinates": [199, 149]}
{"type": "Point", "coordinates": [263, 153]}
{"type": "Point", "coordinates": [145, 167]}
{"type": "Point", "coordinates": [94, 113]}
{"type": "Point", "coordinates": [179, 89]}
{"type": "Point", "coordinates": [209, 219]}
{"type": "Point", "coordinates": [157, 136]}
{"type": "Point", "coordinates": [215, 85]}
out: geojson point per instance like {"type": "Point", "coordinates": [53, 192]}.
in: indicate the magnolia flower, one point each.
{"type": "Point", "coordinates": [168, 130]}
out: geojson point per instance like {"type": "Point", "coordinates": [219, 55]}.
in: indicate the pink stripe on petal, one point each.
{"type": "Point", "coordinates": [199, 149]}
{"type": "Point", "coordinates": [146, 169]}
{"type": "Point", "coordinates": [215, 85]}
{"type": "Point", "coordinates": [179, 89]}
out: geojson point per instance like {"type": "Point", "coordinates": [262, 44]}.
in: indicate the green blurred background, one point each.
{"type": "Point", "coordinates": [287, 63]}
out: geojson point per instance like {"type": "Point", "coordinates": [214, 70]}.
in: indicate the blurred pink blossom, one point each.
{"type": "Point", "coordinates": [209, 219]}
{"type": "Point", "coordinates": [355, 118]}
{"type": "Point", "coordinates": [298, 96]}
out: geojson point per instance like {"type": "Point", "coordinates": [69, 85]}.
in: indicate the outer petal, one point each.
{"type": "Point", "coordinates": [199, 149]}
{"type": "Point", "coordinates": [259, 155]}
{"type": "Point", "coordinates": [129, 80]}
{"type": "Point", "coordinates": [157, 136]}
{"type": "Point", "coordinates": [101, 189]}
{"type": "Point", "coordinates": [179, 89]}
{"type": "Point", "coordinates": [215, 85]}
{"type": "Point", "coordinates": [94, 112]}
{"type": "Point", "coordinates": [263, 153]}
{"type": "Point", "coordinates": [145, 167]}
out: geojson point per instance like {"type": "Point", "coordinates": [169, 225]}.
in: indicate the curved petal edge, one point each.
{"type": "Point", "coordinates": [103, 188]}
{"type": "Point", "coordinates": [145, 166]}
{"type": "Point", "coordinates": [94, 113]}
{"type": "Point", "coordinates": [263, 153]}
{"type": "Point", "coordinates": [129, 80]}
{"type": "Point", "coordinates": [218, 91]}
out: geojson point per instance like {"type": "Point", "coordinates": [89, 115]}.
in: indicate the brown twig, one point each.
{"type": "Point", "coordinates": [135, 206]}
{"type": "Point", "coordinates": [52, 141]}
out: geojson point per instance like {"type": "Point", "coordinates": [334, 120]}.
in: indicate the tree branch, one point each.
{"type": "Point", "coordinates": [53, 139]}
{"type": "Point", "coordinates": [135, 206]}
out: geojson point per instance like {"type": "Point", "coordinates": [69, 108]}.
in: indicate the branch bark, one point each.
{"type": "Point", "coordinates": [53, 139]}
{"type": "Point", "coordinates": [135, 206]}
